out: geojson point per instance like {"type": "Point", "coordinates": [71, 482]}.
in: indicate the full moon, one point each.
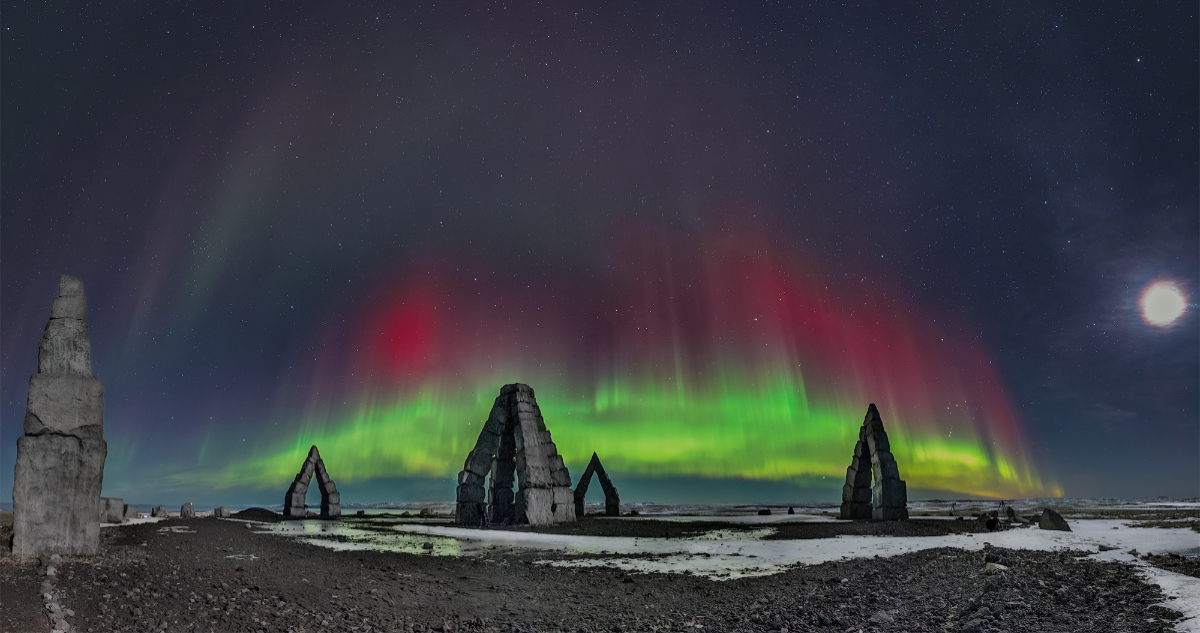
{"type": "Point", "coordinates": [1162, 303]}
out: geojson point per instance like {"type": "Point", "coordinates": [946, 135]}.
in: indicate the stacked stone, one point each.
{"type": "Point", "coordinates": [856, 493]}
{"type": "Point", "coordinates": [888, 499]}
{"type": "Point", "coordinates": [544, 494]}
{"type": "Point", "coordinates": [612, 499]}
{"type": "Point", "coordinates": [60, 459]}
{"type": "Point", "coordinates": [331, 499]}
{"type": "Point", "coordinates": [514, 442]}
{"type": "Point", "coordinates": [472, 502]}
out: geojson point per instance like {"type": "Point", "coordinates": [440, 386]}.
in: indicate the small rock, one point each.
{"type": "Point", "coordinates": [791, 511]}
{"type": "Point", "coordinates": [765, 512]}
{"type": "Point", "coordinates": [159, 511]}
{"type": "Point", "coordinates": [187, 511]}
{"type": "Point", "coordinates": [426, 545]}
{"type": "Point", "coordinates": [993, 568]}
{"type": "Point", "coordinates": [55, 559]}
{"type": "Point", "coordinates": [51, 571]}
{"type": "Point", "coordinates": [221, 512]}
{"type": "Point", "coordinates": [1106, 548]}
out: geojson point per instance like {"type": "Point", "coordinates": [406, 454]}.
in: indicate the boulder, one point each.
{"type": "Point", "coordinates": [186, 511]}
{"type": "Point", "coordinates": [221, 512]}
{"type": "Point", "coordinates": [59, 469]}
{"type": "Point", "coordinates": [112, 510]}
{"type": "Point", "coordinates": [1052, 520]}
{"type": "Point", "coordinates": [130, 512]}
{"type": "Point", "coordinates": [159, 511]}
{"type": "Point", "coordinates": [1013, 516]}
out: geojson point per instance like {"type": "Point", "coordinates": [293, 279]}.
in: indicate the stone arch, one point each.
{"type": "Point", "coordinates": [888, 498]}
{"type": "Point", "coordinates": [331, 500]}
{"type": "Point", "coordinates": [514, 445]}
{"type": "Point", "coordinates": [612, 500]}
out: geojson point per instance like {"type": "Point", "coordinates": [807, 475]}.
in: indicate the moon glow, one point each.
{"type": "Point", "coordinates": [1162, 303]}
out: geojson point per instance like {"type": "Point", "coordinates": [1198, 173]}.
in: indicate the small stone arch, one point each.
{"type": "Point", "coordinates": [514, 444]}
{"type": "Point", "coordinates": [331, 500]}
{"type": "Point", "coordinates": [612, 500]}
{"type": "Point", "coordinates": [888, 499]}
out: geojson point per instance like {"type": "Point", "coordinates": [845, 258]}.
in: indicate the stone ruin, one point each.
{"type": "Point", "coordinates": [294, 502]}
{"type": "Point", "coordinates": [888, 499]}
{"type": "Point", "coordinates": [514, 442]}
{"type": "Point", "coordinates": [612, 500]}
{"type": "Point", "coordinates": [60, 459]}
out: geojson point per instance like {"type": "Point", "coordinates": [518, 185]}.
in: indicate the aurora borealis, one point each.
{"type": "Point", "coordinates": [707, 237]}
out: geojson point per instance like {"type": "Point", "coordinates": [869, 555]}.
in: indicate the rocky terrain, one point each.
{"type": "Point", "coordinates": [207, 574]}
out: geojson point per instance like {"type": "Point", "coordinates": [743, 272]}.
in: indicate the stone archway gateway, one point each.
{"type": "Point", "coordinates": [612, 500]}
{"type": "Point", "coordinates": [888, 498]}
{"type": "Point", "coordinates": [514, 442]}
{"type": "Point", "coordinates": [331, 500]}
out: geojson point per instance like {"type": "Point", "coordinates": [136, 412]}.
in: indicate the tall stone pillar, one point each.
{"type": "Point", "coordinates": [60, 459]}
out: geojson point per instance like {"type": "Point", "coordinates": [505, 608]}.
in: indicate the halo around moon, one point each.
{"type": "Point", "coordinates": [1162, 302]}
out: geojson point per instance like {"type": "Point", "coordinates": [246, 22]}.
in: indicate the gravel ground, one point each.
{"type": "Point", "coordinates": [215, 575]}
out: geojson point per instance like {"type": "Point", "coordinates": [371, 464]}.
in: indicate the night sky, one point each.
{"type": "Point", "coordinates": [708, 236]}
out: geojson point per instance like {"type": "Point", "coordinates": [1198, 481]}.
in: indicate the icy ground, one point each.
{"type": "Point", "coordinates": [734, 553]}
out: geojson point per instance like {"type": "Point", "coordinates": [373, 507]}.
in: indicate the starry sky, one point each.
{"type": "Point", "coordinates": [708, 236]}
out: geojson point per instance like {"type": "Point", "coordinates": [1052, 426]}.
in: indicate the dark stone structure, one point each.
{"type": "Point", "coordinates": [1051, 520]}
{"type": "Point", "coordinates": [514, 443]}
{"type": "Point", "coordinates": [112, 510]}
{"type": "Point", "coordinates": [888, 499]}
{"type": "Point", "coordinates": [612, 500]}
{"type": "Point", "coordinates": [60, 459]}
{"type": "Point", "coordinates": [331, 500]}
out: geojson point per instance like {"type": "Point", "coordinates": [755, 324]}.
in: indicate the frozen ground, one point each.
{"type": "Point", "coordinates": [740, 552]}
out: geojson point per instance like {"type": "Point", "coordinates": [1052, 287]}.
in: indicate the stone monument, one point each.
{"type": "Point", "coordinates": [888, 498]}
{"type": "Point", "coordinates": [514, 442]}
{"type": "Point", "coordinates": [60, 459]}
{"type": "Point", "coordinates": [331, 500]}
{"type": "Point", "coordinates": [612, 500]}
